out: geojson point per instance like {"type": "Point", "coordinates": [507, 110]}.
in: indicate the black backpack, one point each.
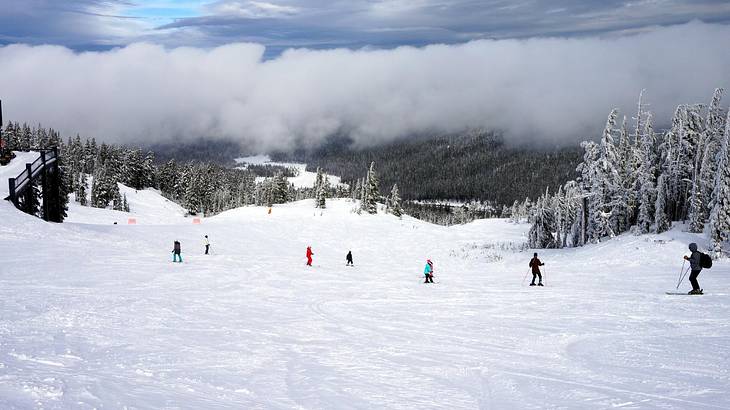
{"type": "Point", "coordinates": [705, 261]}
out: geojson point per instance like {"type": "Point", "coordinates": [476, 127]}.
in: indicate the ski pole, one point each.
{"type": "Point", "coordinates": [681, 275]}
{"type": "Point", "coordinates": [525, 277]}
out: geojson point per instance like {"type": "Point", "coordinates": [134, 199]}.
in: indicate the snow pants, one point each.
{"type": "Point", "coordinates": [536, 275]}
{"type": "Point", "coordinates": [349, 262]}
{"type": "Point", "coordinates": [207, 248]}
{"type": "Point", "coordinates": [309, 261]}
{"type": "Point", "coordinates": [175, 256]}
{"type": "Point", "coordinates": [693, 279]}
{"type": "Point", "coordinates": [429, 278]}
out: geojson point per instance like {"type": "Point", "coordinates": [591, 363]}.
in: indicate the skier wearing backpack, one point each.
{"type": "Point", "coordinates": [176, 252]}
{"type": "Point", "coordinates": [309, 255]}
{"type": "Point", "coordinates": [428, 271]}
{"type": "Point", "coordinates": [535, 264]}
{"type": "Point", "coordinates": [695, 263]}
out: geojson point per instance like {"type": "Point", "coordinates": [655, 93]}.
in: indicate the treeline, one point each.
{"type": "Point", "coordinates": [93, 171]}
{"type": "Point", "coordinates": [443, 213]}
{"type": "Point", "coordinates": [475, 165]}
{"type": "Point", "coordinates": [637, 179]}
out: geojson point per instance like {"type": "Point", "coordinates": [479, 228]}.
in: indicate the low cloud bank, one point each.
{"type": "Point", "coordinates": [535, 91]}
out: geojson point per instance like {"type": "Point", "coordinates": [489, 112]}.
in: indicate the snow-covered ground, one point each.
{"type": "Point", "coordinates": [94, 315]}
{"type": "Point", "coordinates": [147, 207]}
{"type": "Point", "coordinates": [304, 179]}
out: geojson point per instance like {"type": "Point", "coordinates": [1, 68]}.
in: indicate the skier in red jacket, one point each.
{"type": "Point", "coordinates": [309, 255]}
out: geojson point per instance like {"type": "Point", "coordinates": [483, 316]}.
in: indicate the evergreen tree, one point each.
{"type": "Point", "coordinates": [26, 137]}
{"type": "Point", "coordinates": [373, 191]}
{"type": "Point", "coordinates": [395, 204]}
{"type": "Point", "coordinates": [541, 232]}
{"type": "Point", "coordinates": [279, 189]}
{"type": "Point", "coordinates": [319, 194]}
{"type": "Point", "coordinates": [715, 125]}
{"type": "Point", "coordinates": [104, 188]}
{"type": "Point", "coordinates": [117, 202]}
{"type": "Point", "coordinates": [604, 187]}
{"type": "Point", "coordinates": [81, 187]}
{"type": "Point", "coordinates": [647, 177]}
{"type": "Point", "coordinates": [720, 214]}
{"type": "Point", "coordinates": [661, 219]}
{"type": "Point", "coordinates": [625, 195]}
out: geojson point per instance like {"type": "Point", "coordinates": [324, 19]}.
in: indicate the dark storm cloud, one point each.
{"type": "Point", "coordinates": [281, 24]}
{"type": "Point", "coordinates": [356, 23]}
{"type": "Point", "coordinates": [75, 23]}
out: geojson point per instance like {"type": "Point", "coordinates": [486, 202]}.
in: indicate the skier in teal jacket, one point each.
{"type": "Point", "coordinates": [428, 271]}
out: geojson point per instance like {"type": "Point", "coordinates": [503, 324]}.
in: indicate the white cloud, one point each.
{"type": "Point", "coordinates": [250, 9]}
{"type": "Point", "coordinates": [535, 90]}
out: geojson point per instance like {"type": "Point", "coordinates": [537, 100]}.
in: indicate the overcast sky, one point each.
{"type": "Point", "coordinates": [273, 71]}
{"type": "Point", "coordinates": [280, 24]}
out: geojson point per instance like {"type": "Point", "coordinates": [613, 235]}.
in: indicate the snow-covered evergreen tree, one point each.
{"type": "Point", "coordinates": [541, 232]}
{"type": "Point", "coordinates": [81, 190]}
{"type": "Point", "coordinates": [624, 196]}
{"type": "Point", "coordinates": [279, 188]}
{"type": "Point", "coordinates": [117, 202]}
{"type": "Point", "coordinates": [604, 188]}
{"type": "Point", "coordinates": [104, 188]}
{"type": "Point", "coordinates": [646, 175]}
{"type": "Point", "coordinates": [317, 189]}
{"type": "Point", "coordinates": [395, 205]}
{"type": "Point", "coordinates": [661, 219]}
{"type": "Point", "coordinates": [720, 214]}
{"type": "Point", "coordinates": [373, 191]}
{"type": "Point", "coordinates": [714, 131]}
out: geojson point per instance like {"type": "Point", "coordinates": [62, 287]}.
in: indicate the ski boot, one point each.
{"type": "Point", "coordinates": [533, 284]}
{"type": "Point", "coordinates": [695, 292]}
{"type": "Point", "coordinates": [540, 284]}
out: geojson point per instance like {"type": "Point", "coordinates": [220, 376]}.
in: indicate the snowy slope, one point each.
{"type": "Point", "coordinates": [304, 179]}
{"type": "Point", "coordinates": [146, 207]}
{"type": "Point", "coordinates": [96, 316]}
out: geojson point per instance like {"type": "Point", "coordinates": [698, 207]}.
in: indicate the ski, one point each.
{"type": "Point", "coordinates": [685, 293]}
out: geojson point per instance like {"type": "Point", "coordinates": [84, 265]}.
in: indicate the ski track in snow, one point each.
{"type": "Point", "coordinates": [94, 315]}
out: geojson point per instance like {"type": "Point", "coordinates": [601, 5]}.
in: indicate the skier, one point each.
{"type": "Point", "coordinates": [176, 252]}
{"type": "Point", "coordinates": [309, 255]}
{"type": "Point", "coordinates": [535, 264]}
{"type": "Point", "coordinates": [206, 242]}
{"type": "Point", "coordinates": [349, 259]}
{"type": "Point", "coordinates": [428, 271]}
{"type": "Point", "coordinates": [694, 264]}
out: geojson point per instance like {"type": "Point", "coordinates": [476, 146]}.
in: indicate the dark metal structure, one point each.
{"type": "Point", "coordinates": [42, 172]}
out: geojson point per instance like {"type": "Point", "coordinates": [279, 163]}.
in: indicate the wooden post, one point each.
{"type": "Point", "coordinates": [44, 186]}
{"type": "Point", "coordinates": [585, 220]}
{"type": "Point", "coordinates": [55, 211]}
{"type": "Point", "coordinates": [13, 197]}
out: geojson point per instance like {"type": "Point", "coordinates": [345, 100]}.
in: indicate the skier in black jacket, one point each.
{"type": "Point", "coordinates": [535, 265]}
{"type": "Point", "coordinates": [176, 252]}
{"type": "Point", "coordinates": [696, 266]}
{"type": "Point", "coordinates": [349, 259]}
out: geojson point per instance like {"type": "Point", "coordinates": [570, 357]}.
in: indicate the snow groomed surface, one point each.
{"type": "Point", "coordinates": [95, 315]}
